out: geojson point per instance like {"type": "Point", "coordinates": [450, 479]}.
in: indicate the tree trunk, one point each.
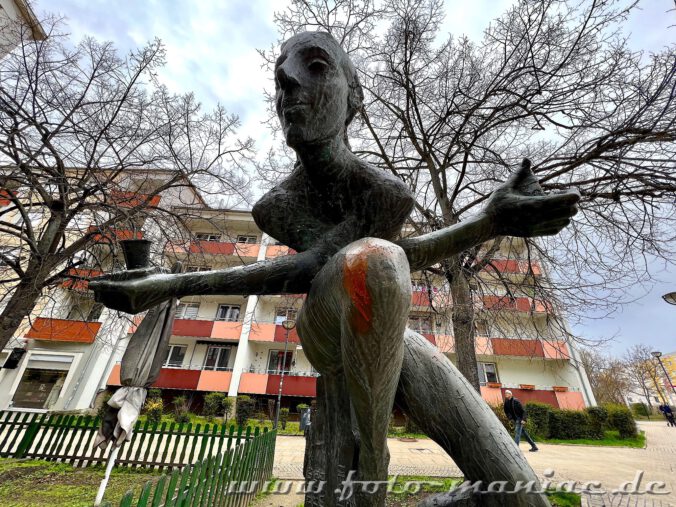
{"type": "Point", "coordinates": [20, 306]}
{"type": "Point", "coordinates": [462, 316]}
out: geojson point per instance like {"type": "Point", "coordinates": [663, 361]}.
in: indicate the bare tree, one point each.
{"type": "Point", "coordinates": [607, 376]}
{"type": "Point", "coordinates": [90, 146]}
{"type": "Point", "coordinates": [552, 80]}
{"type": "Point", "coordinates": [642, 372]}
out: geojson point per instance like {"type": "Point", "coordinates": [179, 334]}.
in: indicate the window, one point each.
{"type": "Point", "coordinates": [228, 312]}
{"type": "Point", "coordinates": [207, 236]}
{"type": "Point", "coordinates": [276, 361]}
{"type": "Point", "coordinates": [187, 310]}
{"type": "Point", "coordinates": [175, 356]}
{"type": "Point", "coordinates": [482, 327]}
{"type": "Point", "coordinates": [217, 358]}
{"type": "Point", "coordinates": [95, 312]}
{"type": "Point", "coordinates": [195, 269]}
{"type": "Point", "coordinates": [282, 314]}
{"type": "Point", "coordinates": [487, 372]}
{"type": "Point", "coordinates": [249, 240]}
{"type": "Point", "coordinates": [420, 323]}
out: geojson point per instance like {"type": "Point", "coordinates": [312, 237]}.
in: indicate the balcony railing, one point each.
{"type": "Point", "coordinates": [111, 235]}
{"type": "Point", "coordinates": [78, 278]}
{"type": "Point", "coordinates": [514, 266]}
{"type": "Point", "coordinates": [519, 304]}
{"type": "Point", "coordinates": [206, 247]}
{"type": "Point", "coordinates": [194, 379]}
{"type": "Point", "coordinates": [133, 199]}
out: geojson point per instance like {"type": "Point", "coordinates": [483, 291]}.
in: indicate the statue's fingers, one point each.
{"type": "Point", "coordinates": [525, 181]}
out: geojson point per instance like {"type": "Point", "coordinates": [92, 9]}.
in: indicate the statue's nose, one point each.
{"type": "Point", "coordinates": [285, 76]}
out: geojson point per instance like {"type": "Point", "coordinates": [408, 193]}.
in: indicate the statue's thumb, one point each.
{"type": "Point", "coordinates": [523, 173]}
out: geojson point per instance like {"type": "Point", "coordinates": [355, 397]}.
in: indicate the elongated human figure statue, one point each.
{"type": "Point", "coordinates": [343, 217]}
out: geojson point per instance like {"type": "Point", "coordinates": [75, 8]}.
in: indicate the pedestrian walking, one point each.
{"type": "Point", "coordinates": [517, 414]}
{"type": "Point", "coordinates": [668, 414]}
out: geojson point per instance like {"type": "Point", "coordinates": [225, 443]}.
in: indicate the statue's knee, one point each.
{"type": "Point", "coordinates": [369, 256]}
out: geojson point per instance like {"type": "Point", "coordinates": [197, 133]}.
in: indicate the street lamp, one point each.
{"type": "Point", "coordinates": [670, 298]}
{"type": "Point", "coordinates": [288, 325]}
{"type": "Point", "coordinates": [658, 355]}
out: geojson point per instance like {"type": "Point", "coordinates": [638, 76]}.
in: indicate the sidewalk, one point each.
{"type": "Point", "coordinates": [609, 465]}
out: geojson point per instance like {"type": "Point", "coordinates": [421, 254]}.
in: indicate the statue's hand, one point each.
{"type": "Point", "coordinates": [521, 208]}
{"type": "Point", "coordinates": [130, 291]}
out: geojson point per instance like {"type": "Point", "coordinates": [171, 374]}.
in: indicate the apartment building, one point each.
{"type": "Point", "coordinates": [61, 356]}
{"type": "Point", "coordinates": [238, 344]}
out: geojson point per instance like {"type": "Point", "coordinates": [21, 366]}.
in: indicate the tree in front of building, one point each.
{"type": "Point", "coordinates": [551, 80]}
{"type": "Point", "coordinates": [643, 374]}
{"type": "Point", "coordinates": [607, 376]}
{"type": "Point", "coordinates": [90, 142]}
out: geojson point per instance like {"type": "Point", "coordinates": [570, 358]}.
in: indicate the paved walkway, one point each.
{"type": "Point", "coordinates": [610, 465]}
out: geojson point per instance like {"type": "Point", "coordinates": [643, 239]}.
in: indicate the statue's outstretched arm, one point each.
{"type": "Point", "coordinates": [517, 208]}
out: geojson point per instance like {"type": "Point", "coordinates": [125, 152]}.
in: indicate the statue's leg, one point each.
{"type": "Point", "coordinates": [362, 296]}
{"type": "Point", "coordinates": [446, 408]}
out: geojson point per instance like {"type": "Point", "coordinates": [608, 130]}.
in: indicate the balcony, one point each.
{"type": "Point", "coordinates": [112, 234]}
{"type": "Point", "coordinates": [79, 279]}
{"type": "Point", "coordinates": [204, 247]}
{"type": "Point", "coordinates": [513, 266]}
{"type": "Point", "coordinates": [193, 379]}
{"type": "Point", "coordinates": [216, 329]}
{"type": "Point", "coordinates": [517, 347]}
{"type": "Point", "coordinates": [519, 304]}
{"type": "Point", "coordinates": [5, 197]}
{"type": "Point", "coordinates": [278, 251]}
{"type": "Point", "coordinates": [133, 199]}
{"type": "Point", "coordinates": [62, 330]}
{"type": "Point", "coordinates": [295, 383]}
{"type": "Point", "coordinates": [271, 332]}
{"type": "Point", "coordinates": [552, 395]}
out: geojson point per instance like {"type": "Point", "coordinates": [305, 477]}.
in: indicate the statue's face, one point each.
{"type": "Point", "coordinates": [311, 89]}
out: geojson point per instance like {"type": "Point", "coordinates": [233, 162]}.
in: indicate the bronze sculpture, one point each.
{"type": "Point", "coordinates": [343, 216]}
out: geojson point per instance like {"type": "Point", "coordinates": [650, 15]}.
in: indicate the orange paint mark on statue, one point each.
{"type": "Point", "coordinates": [354, 282]}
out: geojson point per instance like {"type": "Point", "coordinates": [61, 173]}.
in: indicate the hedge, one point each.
{"type": "Point", "coordinates": [545, 421]}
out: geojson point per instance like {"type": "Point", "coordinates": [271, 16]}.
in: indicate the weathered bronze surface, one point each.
{"type": "Point", "coordinates": [343, 217]}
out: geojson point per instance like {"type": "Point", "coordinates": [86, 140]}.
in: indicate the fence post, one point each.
{"type": "Point", "coordinates": [27, 440]}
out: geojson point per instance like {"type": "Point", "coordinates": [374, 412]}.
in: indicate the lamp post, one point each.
{"type": "Point", "coordinates": [658, 355]}
{"type": "Point", "coordinates": [288, 325]}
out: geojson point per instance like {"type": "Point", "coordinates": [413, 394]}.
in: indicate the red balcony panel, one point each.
{"type": "Point", "coordinates": [280, 334]}
{"type": "Point", "coordinates": [62, 330]}
{"type": "Point", "coordinates": [176, 378]}
{"type": "Point", "coordinates": [420, 298]}
{"type": "Point", "coordinates": [80, 280]}
{"type": "Point", "coordinates": [512, 347]}
{"type": "Point", "coordinates": [293, 385]}
{"type": "Point", "coordinates": [278, 251]}
{"type": "Point", "coordinates": [520, 304]}
{"type": "Point", "coordinates": [430, 338]}
{"type": "Point", "coordinates": [133, 199]}
{"type": "Point", "coordinates": [192, 327]}
{"type": "Point", "coordinates": [526, 395]}
{"type": "Point", "coordinates": [112, 234]}
{"type": "Point", "coordinates": [5, 197]}
{"type": "Point", "coordinates": [253, 383]}
{"type": "Point", "coordinates": [212, 247]}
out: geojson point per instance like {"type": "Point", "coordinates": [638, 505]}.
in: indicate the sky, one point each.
{"type": "Point", "coordinates": [212, 46]}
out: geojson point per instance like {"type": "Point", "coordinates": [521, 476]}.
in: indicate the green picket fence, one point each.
{"type": "Point", "coordinates": [229, 479]}
{"type": "Point", "coordinates": [70, 438]}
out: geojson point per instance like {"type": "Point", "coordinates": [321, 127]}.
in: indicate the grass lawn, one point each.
{"type": "Point", "coordinates": [43, 483]}
{"type": "Point", "coordinates": [611, 439]}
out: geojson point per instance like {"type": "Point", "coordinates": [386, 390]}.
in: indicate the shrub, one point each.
{"type": "Point", "coordinates": [283, 417]}
{"type": "Point", "coordinates": [620, 419]}
{"type": "Point", "coordinates": [245, 410]}
{"type": "Point", "coordinates": [500, 414]}
{"type": "Point", "coordinates": [154, 393]}
{"type": "Point", "coordinates": [640, 409]}
{"type": "Point", "coordinates": [410, 426]}
{"type": "Point", "coordinates": [103, 406]}
{"type": "Point", "coordinates": [537, 418]}
{"type": "Point", "coordinates": [213, 405]}
{"type": "Point", "coordinates": [568, 424]}
{"type": "Point", "coordinates": [181, 409]}
{"type": "Point", "coordinates": [154, 409]}
{"type": "Point", "coordinates": [598, 418]}
{"type": "Point", "coordinates": [226, 405]}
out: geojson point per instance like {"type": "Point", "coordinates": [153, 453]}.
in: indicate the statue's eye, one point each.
{"type": "Point", "coordinates": [317, 65]}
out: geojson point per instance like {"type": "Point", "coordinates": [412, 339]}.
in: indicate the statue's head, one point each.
{"type": "Point", "coordinates": [317, 90]}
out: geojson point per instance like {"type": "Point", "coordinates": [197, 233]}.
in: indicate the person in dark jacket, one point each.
{"type": "Point", "coordinates": [668, 413]}
{"type": "Point", "coordinates": [517, 414]}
